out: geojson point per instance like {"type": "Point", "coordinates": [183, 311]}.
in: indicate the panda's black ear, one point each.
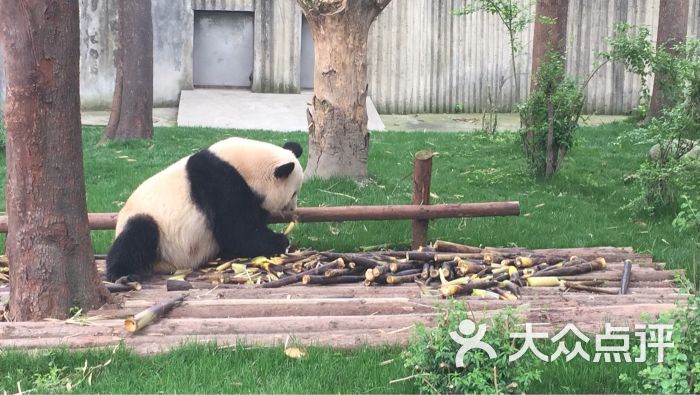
{"type": "Point", "coordinates": [285, 170]}
{"type": "Point", "coordinates": [294, 147]}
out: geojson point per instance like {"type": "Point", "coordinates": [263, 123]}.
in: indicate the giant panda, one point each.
{"type": "Point", "coordinates": [210, 204]}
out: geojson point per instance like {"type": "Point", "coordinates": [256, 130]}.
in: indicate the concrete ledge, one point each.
{"type": "Point", "coordinates": [243, 109]}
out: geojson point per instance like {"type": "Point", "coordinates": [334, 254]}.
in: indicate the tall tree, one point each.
{"type": "Point", "coordinates": [673, 27]}
{"type": "Point", "coordinates": [338, 136]}
{"type": "Point", "coordinates": [48, 245]}
{"type": "Point", "coordinates": [550, 33]}
{"type": "Point", "coordinates": [132, 103]}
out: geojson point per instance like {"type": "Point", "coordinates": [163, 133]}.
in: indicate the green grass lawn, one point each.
{"type": "Point", "coordinates": [580, 207]}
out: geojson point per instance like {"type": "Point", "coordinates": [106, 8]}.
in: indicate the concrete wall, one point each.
{"type": "Point", "coordinates": [277, 46]}
{"type": "Point", "coordinates": [173, 24]}
{"type": "Point", "coordinates": [421, 58]}
{"type": "Point", "coordinates": [172, 51]}
{"type": "Point", "coordinates": [97, 43]}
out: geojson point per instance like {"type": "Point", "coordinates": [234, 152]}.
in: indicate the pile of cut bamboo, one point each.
{"type": "Point", "coordinates": [4, 269]}
{"type": "Point", "coordinates": [445, 268]}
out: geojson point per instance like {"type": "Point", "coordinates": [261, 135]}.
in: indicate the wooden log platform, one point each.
{"type": "Point", "coordinates": [344, 315]}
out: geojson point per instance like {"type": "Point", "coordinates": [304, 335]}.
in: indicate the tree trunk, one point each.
{"type": "Point", "coordinates": [48, 245]}
{"type": "Point", "coordinates": [550, 163]}
{"type": "Point", "coordinates": [338, 136]}
{"type": "Point", "coordinates": [548, 36]}
{"type": "Point", "coordinates": [132, 103]}
{"type": "Point", "coordinates": [673, 26]}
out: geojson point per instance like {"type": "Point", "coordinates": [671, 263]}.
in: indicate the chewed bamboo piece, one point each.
{"type": "Point", "coordinates": [151, 314]}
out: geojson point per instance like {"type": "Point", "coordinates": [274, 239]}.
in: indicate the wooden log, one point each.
{"type": "Point", "coordinates": [346, 306]}
{"type": "Point", "coordinates": [105, 221]}
{"type": "Point", "coordinates": [147, 345]}
{"type": "Point", "coordinates": [422, 169]}
{"type": "Point", "coordinates": [626, 276]}
{"type": "Point", "coordinates": [184, 285]}
{"type": "Point", "coordinates": [148, 316]}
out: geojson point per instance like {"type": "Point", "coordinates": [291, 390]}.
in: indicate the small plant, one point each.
{"type": "Point", "coordinates": [515, 16]}
{"type": "Point", "coordinates": [631, 46]}
{"type": "Point", "coordinates": [550, 117]}
{"type": "Point", "coordinates": [679, 373]}
{"type": "Point", "coordinates": [458, 108]}
{"type": "Point", "coordinates": [432, 354]}
{"type": "Point", "coordinates": [64, 379]}
{"type": "Point", "coordinates": [688, 221]}
{"type": "Point", "coordinates": [489, 117]}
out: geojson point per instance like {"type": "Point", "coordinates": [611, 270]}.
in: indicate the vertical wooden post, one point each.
{"type": "Point", "coordinates": [422, 169]}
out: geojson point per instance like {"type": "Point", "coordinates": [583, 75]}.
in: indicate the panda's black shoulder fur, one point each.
{"type": "Point", "coordinates": [233, 211]}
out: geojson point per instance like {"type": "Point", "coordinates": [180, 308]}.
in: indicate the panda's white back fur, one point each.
{"type": "Point", "coordinates": [185, 238]}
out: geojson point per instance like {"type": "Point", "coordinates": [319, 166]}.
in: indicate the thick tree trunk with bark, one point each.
{"type": "Point", "coordinates": [132, 104]}
{"type": "Point", "coordinates": [548, 36]}
{"type": "Point", "coordinates": [48, 244]}
{"type": "Point", "coordinates": [338, 136]}
{"type": "Point", "coordinates": [673, 27]}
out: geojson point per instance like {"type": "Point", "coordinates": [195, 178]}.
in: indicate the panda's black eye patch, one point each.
{"type": "Point", "coordinates": [294, 147]}
{"type": "Point", "coordinates": [285, 170]}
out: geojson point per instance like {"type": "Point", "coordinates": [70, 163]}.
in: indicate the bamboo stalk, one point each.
{"type": "Point", "coordinates": [465, 289]}
{"type": "Point", "coordinates": [626, 276]}
{"type": "Point", "coordinates": [148, 316]}
{"type": "Point", "coordinates": [425, 273]}
{"type": "Point", "coordinates": [325, 280]}
{"type": "Point", "coordinates": [401, 266]}
{"type": "Point", "coordinates": [379, 270]}
{"type": "Point", "coordinates": [295, 278]}
{"type": "Point", "coordinates": [396, 279]}
{"type": "Point", "coordinates": [446, 246]}
{"type": "Point", "coordinates": [337, 272]}
{"type": "Point", "coordinates": [384, 277]}
{"type": "Point", "coordinates": [572, 285]}
{"type": "Point", "coordinates": [573, 270]}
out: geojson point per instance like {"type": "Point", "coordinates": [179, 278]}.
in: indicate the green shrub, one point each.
{"type": "Point", "coordinates": [679, 373]}
{"type": "Point", "coordinates": [550, 117]}
{"type": "Point", "coordinates": [431, 357]}
{"type": "Point", "coordinates": [2, 133]}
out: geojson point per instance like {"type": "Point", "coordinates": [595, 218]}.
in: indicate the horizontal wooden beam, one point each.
{"type": "Point", "coordinates": [103, 221]}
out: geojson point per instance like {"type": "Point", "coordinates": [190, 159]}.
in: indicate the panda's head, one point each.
{"type": "Point", "coordinates": [272, 172]}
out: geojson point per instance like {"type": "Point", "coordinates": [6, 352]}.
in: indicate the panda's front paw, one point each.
{"type": "Point", "coordinates": [280, 243]}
